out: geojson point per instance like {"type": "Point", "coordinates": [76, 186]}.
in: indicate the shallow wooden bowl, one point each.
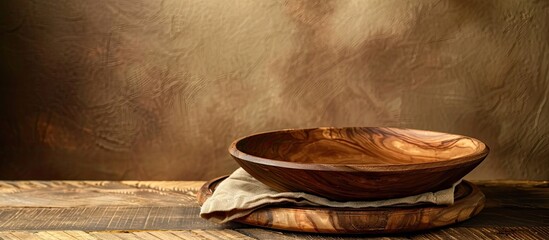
{"type": "Point", "coordinates": [361, 163]}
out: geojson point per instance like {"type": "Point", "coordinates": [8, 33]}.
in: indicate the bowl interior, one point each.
{"type": "Point", "coordinates": [361, 146]}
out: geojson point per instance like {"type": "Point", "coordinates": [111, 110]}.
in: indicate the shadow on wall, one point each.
{"type": "Point", "coordinates": [159, 89]}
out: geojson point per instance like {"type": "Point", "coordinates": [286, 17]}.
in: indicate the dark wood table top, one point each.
{"type": "Point", "coordinates": [168, 210]}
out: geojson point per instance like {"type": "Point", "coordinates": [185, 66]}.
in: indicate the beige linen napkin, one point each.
{"type": "Point", "coordinates": [240, 194]}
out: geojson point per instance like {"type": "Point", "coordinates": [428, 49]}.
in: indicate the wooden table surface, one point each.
{"type": "Point", "coordinates": [168, 210]}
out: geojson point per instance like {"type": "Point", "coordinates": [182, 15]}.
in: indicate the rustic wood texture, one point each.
{"type": "Point", "coordinates": [100, 205]}
{"type": "Point", "coordinates": [453, 233]}
{"type": "Point", "coordinates": [157, 90]}
{"type": "Point", "coordinates": [511, 233]}
{"type": "Point", "coordinates": [469, 201]}
{"type": "Point", "coordinates": [358, 163]}
{"type": "Point", "coordinates": [513, 210]}
{"type": "Point", "coordinates": [155, 235]}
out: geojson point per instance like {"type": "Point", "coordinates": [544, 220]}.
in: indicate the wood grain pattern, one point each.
{"type": "Point", "coordinates": [254, 233]}
{"type": "Point", "coordinates": [358, 163]}
{"type": "Point", "coordinates": [469, 201]}
{"type": "Point", "coordinates": [510, 233]}
{"type": "Point", "coordinates": [93, 193]}
{"type": "Point", "coordinates": [513, 210]}
{"type": "Point", "coordinates": [147, 235]}
{"type": "Point", "coordinates": [359, 146]}
{"type": "Point", "coordinates": [99, 205]}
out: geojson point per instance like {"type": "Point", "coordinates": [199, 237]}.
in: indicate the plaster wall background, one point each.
{"type": "Point", "coordinates": [149, 89]}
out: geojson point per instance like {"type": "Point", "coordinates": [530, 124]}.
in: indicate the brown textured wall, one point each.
{"type": "Point", "coordinates": [148, 89]}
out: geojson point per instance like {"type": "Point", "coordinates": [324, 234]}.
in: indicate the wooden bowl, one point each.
{"type": "Point", "coordinates": [361, 163]}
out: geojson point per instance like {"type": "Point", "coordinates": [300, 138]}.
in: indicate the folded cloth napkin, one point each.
{"type": "Point", "coordinates": [241, 194]}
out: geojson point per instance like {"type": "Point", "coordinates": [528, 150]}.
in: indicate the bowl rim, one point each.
{"type": "Point", "coordinates": [468, 159]}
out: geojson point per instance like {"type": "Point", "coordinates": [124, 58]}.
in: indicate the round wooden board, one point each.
{"type": "Point", "coordinates": [468, 203]}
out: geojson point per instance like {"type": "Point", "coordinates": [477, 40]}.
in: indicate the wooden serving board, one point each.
{"type": "Point", "coordinates": [469, 201]}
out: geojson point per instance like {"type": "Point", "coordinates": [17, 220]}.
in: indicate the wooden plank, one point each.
{"type": "Point", "coordinates": [513, 204]}
{"type": "Point", "coordinates": [165, 235]}
{"type": "Point", "coordinates": [513, 183]}
{"type": "Point", "coordinates": [229, 234]}
{"type": "Point", "coordinates": [445, 233]}
{"type": "Point", "coordinates": [518, 209]}
{"type": "Point", "coordinates": [20, 235]}
{"type": "Point", "coordinates": [516, 196]}
{"type": "Point", "coordinates": [15, 236]}
{"type": "Point", "coordinates": [105, 218]}
{"type": "Point", "coordinates": [105, 236]}
{"type": "Point", "coordinates": [80, 235]}
{"type": "Point", "coordinates": [95, 193]}
{"type": "Point", "coordinates": [255, 233]}
{"type": "Point", "coordinates": [179, 218]}
{"type": "Point", "coordinates": [53, 235]}
{"type": "Point", "coordinates": [509, 217]}
{"type": "Point", "coordinates": [145, 235]}
{"type": "Point", "coordinates": [487, 233]}
{"type": "Point", "coordinates": [225, 234]}
{"type": "Point", "coordinates": [219, 234]}
{"type": "Point", "coordinates": [123, 235]}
